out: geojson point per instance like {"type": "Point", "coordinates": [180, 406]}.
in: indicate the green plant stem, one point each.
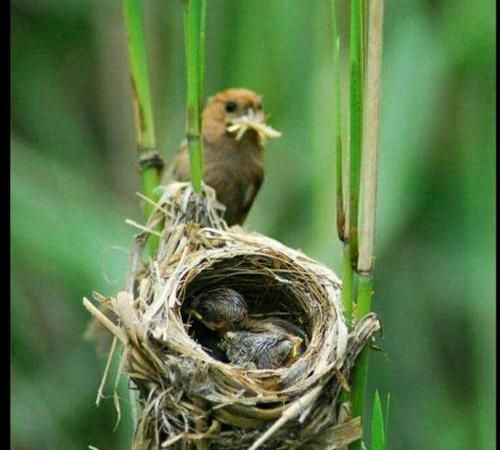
{"type": "Point", "coordinates": [201, 52]}
{"type": "Point", "coordinates": [338, 125]}
{"type": "Point", "coordinates": [364, 19]}
{"type": "Point", "coordinates": [360, 373]}
{"type": "Point", "coordinates": [347, 295]}
{"type": "Point", "coordinates": [193, 16]}
{"type": "Point", "coordinates": [140, 80]}
{"type": "Point", "coordinates": [347, 283]}
{"type": "Point", "coordinates": [339, 196]}
{"type": "Point", "coordinates": [150, 160]}
{"type": "Point", "coordinates": [356, 116]}
{"type": "Point", "coordinates": [371, 119]}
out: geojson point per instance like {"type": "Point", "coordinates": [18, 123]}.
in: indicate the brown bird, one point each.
{"type": "Point", "coordinates": [234, 135]}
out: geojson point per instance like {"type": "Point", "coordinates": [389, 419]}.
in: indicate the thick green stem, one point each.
{"type": "Point", "coordinates": [201, 52]}
{"type": "Point", "coordinates": [347, 294]}
{"type": "Point", "coordinates": [364, 19]}
{"type": "Point", "coordinates": [140, 79]}
{"type": "Point", "coordinates": [347, 283]}
{"type": "Point", "coordinates": [150, 161]}
{"type": "Point", "coordinates": [193, 18]}
{"type": "Point", "coordinates": [360, 373]}
{"type": "Point", "coordinates": [356, 116]}
{"type": "Point", "coordinates": [365, 292]}
{"type": "Point", "coordinates": [371, 121]}
{"type": "Point", "coordinates": [338, 125]}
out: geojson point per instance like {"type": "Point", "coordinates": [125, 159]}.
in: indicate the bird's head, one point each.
{"type": "Point", "coordinates": [236, 113]}
{"type": "Point", "coordinates": [219, 309]}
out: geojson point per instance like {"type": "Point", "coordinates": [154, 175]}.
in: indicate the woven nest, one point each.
{"type": "Point", "coordinates": [188, 397]}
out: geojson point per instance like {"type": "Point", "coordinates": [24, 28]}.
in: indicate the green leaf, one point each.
{"type": "Point", "coordinates": [387, 415]}
{"type": "Point", "coordinates": [378, 430]}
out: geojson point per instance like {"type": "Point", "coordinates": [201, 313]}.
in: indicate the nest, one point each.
{"type": "Point", "coordinates": [189, 397]}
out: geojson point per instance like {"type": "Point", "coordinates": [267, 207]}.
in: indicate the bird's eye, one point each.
{"type": "Point", "coordinates": [231, 107]}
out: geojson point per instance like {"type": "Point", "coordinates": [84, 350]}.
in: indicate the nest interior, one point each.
{"type": "Point", "coordinates": [189, 396]}
{"type": "Point", "coordinates": [268, 291]}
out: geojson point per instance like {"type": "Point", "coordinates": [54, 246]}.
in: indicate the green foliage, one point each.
{"type": "Point", "coordinates": [74, 177]}
{"type": "Point", "coordinates": [380, 423]}
{"type": "Point", "coordinates": [378, 428]}
{"type": "Point", "coordinates": [387, 417]}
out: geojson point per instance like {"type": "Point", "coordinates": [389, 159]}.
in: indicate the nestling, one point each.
{"type": "Point", "coordinates": [224, 309]}
{"type": "Point", "coordinates": [220, 309]}
{"type": "Point", "coordinates": [264, 350]}
{"type": "Point", "coordinates": [244, 339]}
{"type": "Point", "coordinates": [234, 135]}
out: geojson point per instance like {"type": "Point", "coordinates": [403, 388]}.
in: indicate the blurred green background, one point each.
{"type": "Point", "coordinates": [73, 183]}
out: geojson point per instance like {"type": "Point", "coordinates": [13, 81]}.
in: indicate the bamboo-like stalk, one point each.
{"type": "Point", "coordinates": [338, 124]}
{"type": "Point", "coordinates": [193, 18]}
{"type": "Point", "coordinates": [150, 161]}
{"type": "Point", "coordinates": [201, 52]}
{"type": "Point", "coordinates": [347, 271]}
{"type": "Point", "coordinates": [360, 373]}
{"type": "Point", "coordinates": [194, 36]}
{"type": "Point", "coordinates": [356, 115]}
{"type": "Point", "coordinates": [364, 27]}
{"type": "Point", "coordinates": [371, 120]}
{"type": "Point", "coordinates": [347, 283]}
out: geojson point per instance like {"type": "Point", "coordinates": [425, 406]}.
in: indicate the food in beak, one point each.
{"type": "Point", "coordinates": [252, 121]}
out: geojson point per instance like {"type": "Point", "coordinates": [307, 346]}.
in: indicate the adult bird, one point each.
{"type": "Point", "coordinates": [234, 136]}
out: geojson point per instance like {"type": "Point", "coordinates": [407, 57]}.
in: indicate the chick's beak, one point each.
{"type": "Point", "coordinates": [252, 120]}
{"type": "Point", "coordinates": [196, 314]}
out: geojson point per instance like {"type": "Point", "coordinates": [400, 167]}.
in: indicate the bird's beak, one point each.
{"type": "Point", "coordinates": [297, 342]}
{"type": "Point", "coordinates": [252, 121]}
{"type": "Point", "coordinates": [196, 314]}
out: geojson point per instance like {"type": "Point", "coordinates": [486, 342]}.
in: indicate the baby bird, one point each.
{"type": "Point", "coordinates": [264, 350]}
{"type": "Point", "coordinates": [220, 309]}
{"type": "Point", "coordinates": [264, 344]}
{"type": "Point", "coordinates": [234, 135]}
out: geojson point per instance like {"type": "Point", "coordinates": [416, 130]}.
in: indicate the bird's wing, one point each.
{"type": "Point", "coordinates": [289, 327]}
{"type": "Point", "coordinates": [248, 194]}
